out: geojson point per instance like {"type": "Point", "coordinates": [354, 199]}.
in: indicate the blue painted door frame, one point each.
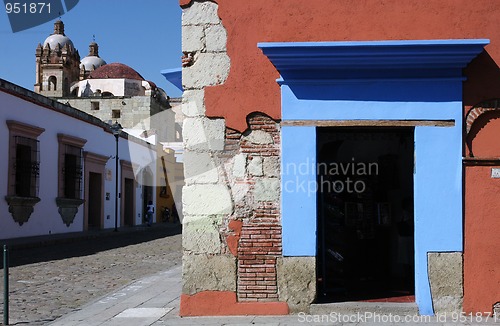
{"type": "Point", "coordinates": [393, 80]}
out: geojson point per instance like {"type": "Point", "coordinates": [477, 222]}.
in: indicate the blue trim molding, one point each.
{"type": "Point", "coordinates": [299, 62]}
{"type": "Point", "coordinates": [386, 80]}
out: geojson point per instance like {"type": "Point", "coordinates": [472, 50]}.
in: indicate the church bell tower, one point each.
{"type": "Point", "coordinates": [57, 64]}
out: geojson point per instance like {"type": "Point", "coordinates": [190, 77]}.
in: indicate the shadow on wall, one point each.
{"type": "Point", "coordinates": [483, 80]}
{"type": "Point", "coordinates": [482, 139]}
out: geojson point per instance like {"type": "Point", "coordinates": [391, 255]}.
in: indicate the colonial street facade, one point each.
{"type": "Point", "coordinates": [338, 152]}
{"type": "Point", "coordinates": [59, 172]}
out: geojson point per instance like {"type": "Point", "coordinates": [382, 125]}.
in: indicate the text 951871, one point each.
{"type": "Point", "coordinates": [27, 8]}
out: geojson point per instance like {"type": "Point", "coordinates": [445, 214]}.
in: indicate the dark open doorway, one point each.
{"type": "Point", "coordinates": [95, 201]}
{"type": "Point", "coordinates": [365, 214]}
{"type": "Point", "coordinates": [129, 202]}
{"type": "Point", "coordinates": [147, 191]}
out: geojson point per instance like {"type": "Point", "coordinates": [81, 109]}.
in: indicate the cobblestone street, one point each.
{"type": "Point", "coordinates": [48, 281]}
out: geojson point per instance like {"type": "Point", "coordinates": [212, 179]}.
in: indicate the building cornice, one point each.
{"type": "Point", "coordinates": [364, 61]}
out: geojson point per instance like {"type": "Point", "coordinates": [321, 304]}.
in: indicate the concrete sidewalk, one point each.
{"type": "Point", "coordinates": [154, 300]}
{"type": "Point", "coordinates": [142, 302]}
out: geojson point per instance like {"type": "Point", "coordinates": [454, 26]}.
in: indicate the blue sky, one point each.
{"type": "Point", "coordinates": [143, 34]}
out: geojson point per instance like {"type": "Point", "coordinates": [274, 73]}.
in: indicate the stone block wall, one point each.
{"type": "Point", "coordinates": [232, 226]}
{"type": "Point", "coordinates": [446, 281]}
{"type": "Point", "coordinates": [133, 110]}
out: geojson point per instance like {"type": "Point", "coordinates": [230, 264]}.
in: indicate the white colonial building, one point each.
{"type": "Point", "coordinates": [58, 171]}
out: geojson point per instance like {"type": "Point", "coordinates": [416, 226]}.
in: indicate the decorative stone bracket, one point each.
{"type": "Point", "coordinates": [68, 208]}
{"type": "Point", "coordinates": [21, 207]}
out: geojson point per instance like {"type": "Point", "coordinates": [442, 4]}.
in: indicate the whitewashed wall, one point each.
{"type": "Point", "coordinates": [118, 87]}
{"type": "Point", "coordinates": [45, 219]}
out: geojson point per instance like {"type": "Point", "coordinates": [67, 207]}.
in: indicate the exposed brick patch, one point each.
{"type": "Point", "coordinates": [478, 110]}
{"type": "Point", "coordinates": [259, 247]}
{"type": "Point", "coordinates": [256, 240]}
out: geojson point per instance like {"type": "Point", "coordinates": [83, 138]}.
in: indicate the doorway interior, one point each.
{"type": "Point", "coordinates": [365, 214]}
{"type": "Point", "coordinates": [147, 191]}
{"type": "Point", "coordinates": [128, 213]}
{"type": "Point", "coordinates": [95, 201]}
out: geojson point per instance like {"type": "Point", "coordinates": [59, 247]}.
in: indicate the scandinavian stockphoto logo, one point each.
{"type": "Point", "coordinates": [333, 177]}
{"type": "Point", "coordinates": [25, 14]}
{"type": "Point", "coordinates": [204, 167]}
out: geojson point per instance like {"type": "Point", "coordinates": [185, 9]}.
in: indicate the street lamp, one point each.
{"type": "Point", "coordinates": [116, 128]}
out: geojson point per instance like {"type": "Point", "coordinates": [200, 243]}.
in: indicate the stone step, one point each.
{"type": "Point", "coordinates": [382, 308]}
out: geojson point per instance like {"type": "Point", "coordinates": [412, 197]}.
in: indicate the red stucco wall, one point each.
{"type": "Point", "coordinates": [482, 218]}
{"type": "Point", "coordinates": [225, 303]}
{"type": "Point", "coordinates": [251, 83]}
{"type": "Point", "coordinates": [482, 240]}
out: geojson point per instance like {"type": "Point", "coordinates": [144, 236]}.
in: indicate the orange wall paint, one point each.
{"type": "Point", "coordinates": [232, 239]}
{"type": "Point", "coordinates": [482, 240]}
{"type": "Point", "coordinates": [251, 85]}
{"type": "Point", "coordinates": [482, 219]}
{"type": "Point", "coordinates": [224, 303]}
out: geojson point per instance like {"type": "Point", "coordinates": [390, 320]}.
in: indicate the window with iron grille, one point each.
{"type": "Point", "coordinates": [26, 167]}
{"type": "Point", "coordinates": [72, 172]}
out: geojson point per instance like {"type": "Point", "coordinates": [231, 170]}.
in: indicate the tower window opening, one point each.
{"type": "Point", "coordinates": [52, 83]}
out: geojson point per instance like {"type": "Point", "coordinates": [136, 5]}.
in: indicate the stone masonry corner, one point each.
{"type": "Point", "coordinates": [446, 281]}
{"type": "Point", "coordinates": [297, 282]}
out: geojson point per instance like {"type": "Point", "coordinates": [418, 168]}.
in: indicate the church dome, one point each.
{"type": "Point", "coordinates": [115, 71]}
{"type": "Point", "coordinates": [58, 37]}
{"type": "Point", "coordinates": [92, 61]}
{"type": "Point", "coordinates": [55, 39]}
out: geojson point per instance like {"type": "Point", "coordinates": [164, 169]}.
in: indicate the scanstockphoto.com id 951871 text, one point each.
{"type": "Point", "coordinates": [372, 317]}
